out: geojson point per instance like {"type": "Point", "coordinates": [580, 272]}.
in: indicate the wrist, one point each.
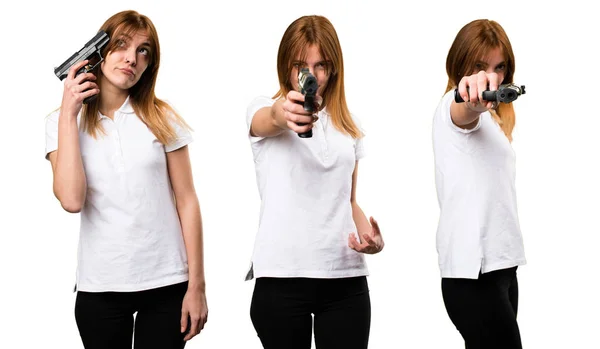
{"type": "Point", "coordinates": [197, 285]}
{"type": "Point", "coordinates": [68, 117]}
{"type": "Point", "coordinates": [475, 110]}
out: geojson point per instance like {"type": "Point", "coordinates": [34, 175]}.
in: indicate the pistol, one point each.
{"type": "Point", "coordinates": [506, 93]}
{"type": "Point", "coordinates": [91, 51]}
{"type": "Point", "coordinates": [308, 87]}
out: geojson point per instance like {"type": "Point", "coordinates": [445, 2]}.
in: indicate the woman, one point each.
{"type": "Point", "coordinates": [478, 239]}
{"type": "Point", "coordinates": [122, 161]}
{"type": "Point", "coordinates": [304, 260]}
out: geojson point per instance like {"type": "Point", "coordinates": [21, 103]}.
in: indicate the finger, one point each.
{"type": "Point", "coordinates": [194, 330]}
{"type": "Point", "coordinates": [482, 85]}
{"type": "Point", "coordinates": [75, 68]}
{"type": "Point", "coordinates": [473, 90]}
{"type": "Point", "coordinates": [87, 86]}
{"type": "Point", "coordinates": [203, 321]}
{"type": "Point", "coordinates": [299, 118]}
{"type": "Point", "coordinates": [354, 244]}
{"type": "Point", "coordinates": [184, 320]}
{"type": "Point", "coordinates": [375, 226]}
{"type": "Point", "coordinates": [294, 107]}
{"type": "Point", "coordinates": [361, 247]}
{"type": "Point", "coordinates": [493, 81]}
{"type": "Point", "coordinates": [319, 100]}
{"type": "Point", "coordinates": [352, 239]}
{"type": "Point", "coordinates": [84, 77]}
{"type": "Point", "coordinates": [89, 93]}
{"type": "Point", "coordinates": [462, 89]}
{"type": "Point", "coordinates": [295, 97]}
{"type": "Point", "coordinates": [369, 240]}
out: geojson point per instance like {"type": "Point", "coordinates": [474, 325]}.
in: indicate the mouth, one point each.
{"type": "Point", "coordinates": [127, 71]}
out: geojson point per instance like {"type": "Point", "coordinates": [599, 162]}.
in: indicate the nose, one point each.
{"type": "Point", "coordinates": [130, 56]}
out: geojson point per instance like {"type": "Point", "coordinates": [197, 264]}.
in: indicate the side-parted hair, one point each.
{"type": "Point", "coordinates": [473, 43]}
{"type": "Point", "coordinates": [298, 37]}
{"type": "Point", "coordinates": [155, 113]}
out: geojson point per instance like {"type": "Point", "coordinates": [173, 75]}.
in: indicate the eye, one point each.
{"type": "Point", "coordinates": [501, 67]}
{"type": "Point", "coordinates": [121, 43]}
{"type": "Point", "coordinates": [144, 51]}
{"type": "Point", "coordinates": [479, 66]}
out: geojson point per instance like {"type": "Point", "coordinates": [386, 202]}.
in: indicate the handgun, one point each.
{"type": "Point", "coordinates": [91, 51]}
{"type": "Point", "coordinates": [506, 93]}
{"type": "Point", "coordinates": [308, 87]}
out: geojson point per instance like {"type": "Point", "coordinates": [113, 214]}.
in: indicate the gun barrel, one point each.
{"type": "Point", "coordinates": [505, 94]}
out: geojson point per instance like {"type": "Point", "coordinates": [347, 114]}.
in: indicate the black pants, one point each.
{"type": "Point", "coordinates": [485, 310]}
{"type": "Point", "coordinates": [105, 319]}
{"type": "Point", "coordinates": [281, 312]}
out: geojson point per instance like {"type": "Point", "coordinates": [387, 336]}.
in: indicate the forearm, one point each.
{"type": "Point", "coordinates": [269, 121]}
{"type": "Point", "coordinates": [463, 116]}
{"type": "Point", "coordinates": [69, 176]}
{"type": "Point", "coordinates": [191, 225]}
{"type": "Point", "coordinates": [360, 220]}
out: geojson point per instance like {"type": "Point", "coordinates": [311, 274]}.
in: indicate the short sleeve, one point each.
{"type": "Point", "coordinates": [51, 133]}
{"type": "Point", "coordinates": [359, 143]}
{"type": "Point", "coordinates": [183, 135]}
{"type": "Point", "coordinates": [443, 112]}
{"type": "Point", "coordinates": [256, 105]}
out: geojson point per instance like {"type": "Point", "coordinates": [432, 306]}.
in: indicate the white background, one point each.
{"type": "Point", "coordinates": [217, 56]}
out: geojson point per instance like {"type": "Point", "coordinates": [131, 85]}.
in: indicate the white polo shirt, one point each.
{"type": "Point", "coordinates": [306, 215]}
{"type": "Point", "coordinates": [478, 228]}
{"type": "Point", "coordinates": [130, 236]}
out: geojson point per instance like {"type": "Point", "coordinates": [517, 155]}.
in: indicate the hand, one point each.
{"type": "Point", "coordinates": [193, 306]}
{"type": "Point", "coordinates": [297, 119]}
{"type": "Point", "coordinates": [77, 88]}
{"type": "Point", "coordinates": [476, 84]}
{"type": "Point", "coordinates": [371, 243]}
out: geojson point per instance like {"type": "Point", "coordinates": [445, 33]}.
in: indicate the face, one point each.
{"type": "Point", "coordinates": [317, 66]}
{"type": "Point", "coordinates": [493, 63]}
{"type": "Point", "coordinates": [123, 67]}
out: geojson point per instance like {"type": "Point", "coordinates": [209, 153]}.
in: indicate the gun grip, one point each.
{"type": "Point", "coordinates": [307, 134]}
{"type": "Point", "coordinates": [489, 96]}
{"type": "Point", "coordinates": [309, 106]}
{"type": "Point", "coordinates": [89, 99]}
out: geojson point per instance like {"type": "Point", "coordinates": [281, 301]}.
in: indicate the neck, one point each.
{"type": "Point", "coordinates": [111, 99]}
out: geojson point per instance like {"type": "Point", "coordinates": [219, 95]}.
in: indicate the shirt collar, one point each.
{"type": "Point", "coordinates": [126, 108]}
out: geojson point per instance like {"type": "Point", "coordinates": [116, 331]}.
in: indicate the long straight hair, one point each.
{"type": "Point", "coordinates": [155, 113]}
{"type": "Point", "coordinates": [299, 36]}
{"type": "Point", "coordinates": [473, 43]}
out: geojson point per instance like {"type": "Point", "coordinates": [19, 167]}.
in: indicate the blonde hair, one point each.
{"type": "Point", "coordinates": [299, 36]}
{"type": "Point", "coordinates": [472, 43]}
{"type": "Point", "coordinates": [155, 113]}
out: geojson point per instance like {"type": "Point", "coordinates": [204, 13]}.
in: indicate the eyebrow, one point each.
{"type": "Point", "coordinates": [322, 61]}
{"type": "Point", "coordinates": [485, 64]}
{"type": "Point", "coordinates": [125, 36]}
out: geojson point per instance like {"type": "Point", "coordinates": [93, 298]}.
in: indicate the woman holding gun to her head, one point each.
{"type": "Point", "coordinates": [478, 238]}
{"type": "Point", "coordinates": [309, 250]}
{"type": "Point", "coordinates": [122, 161]}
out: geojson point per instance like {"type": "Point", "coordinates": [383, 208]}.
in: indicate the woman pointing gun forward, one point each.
{"type": "Point", "coordinates": [309, 250]}
{"type": "Point", "coordinates": [479, 239]}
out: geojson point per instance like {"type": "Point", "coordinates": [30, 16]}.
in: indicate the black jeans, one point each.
{"type": "Point", "coordinates": [281, 312]}
{"type": "Point", "coordinates": [105, 319]}
{"type": "Point", "coordinates": [485, 310]}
